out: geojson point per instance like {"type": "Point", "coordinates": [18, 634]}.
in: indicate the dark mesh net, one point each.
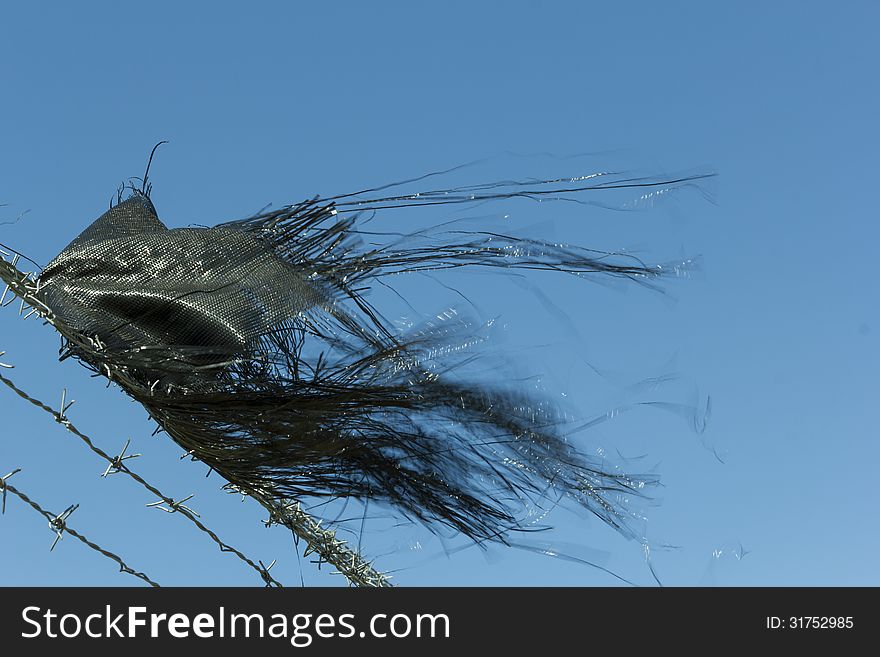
{"type": "Point", "coordinates": [252, 345]}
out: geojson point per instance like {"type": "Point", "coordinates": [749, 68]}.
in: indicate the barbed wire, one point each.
{"type": "Point", "coordinates": [58, 523]}
{"type": "Point", "coordinates": [319, 540]}
{"type": "Point", "coordinates": [115, 464]}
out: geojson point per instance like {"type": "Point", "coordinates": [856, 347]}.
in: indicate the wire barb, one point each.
{"type": "Point", "coordinates": [3, 488]}
{"type": "Point", "coordinates": [59, 523]}
{"type": "Point", "coordinates": [116, 464]}
{"type": "Point", "coordinates": [174, 507]}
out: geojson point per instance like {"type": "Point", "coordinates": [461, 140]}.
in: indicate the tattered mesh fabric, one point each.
{"type": "Point", "coordinates": [252, 345]}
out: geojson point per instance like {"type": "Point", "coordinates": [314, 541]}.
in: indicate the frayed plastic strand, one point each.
{"type": "Point", "coordinates": [254, 347]}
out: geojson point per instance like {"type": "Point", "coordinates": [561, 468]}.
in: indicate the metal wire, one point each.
{"type": "Point", "coordinates": [116, 465]}
{"type": "Point", "coordinates": [58, 523]}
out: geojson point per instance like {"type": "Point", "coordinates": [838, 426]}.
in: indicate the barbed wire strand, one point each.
{"type": "Point", "coordinates": [116, 464]}
{"type": "Point", "coordinates": [58, 524]}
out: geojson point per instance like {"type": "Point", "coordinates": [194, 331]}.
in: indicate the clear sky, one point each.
{"type": "Point", "coordinates": [283, 101]}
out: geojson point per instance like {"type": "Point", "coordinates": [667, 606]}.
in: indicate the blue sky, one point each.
{"type": "Point", "coordinates": [283, 101]}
